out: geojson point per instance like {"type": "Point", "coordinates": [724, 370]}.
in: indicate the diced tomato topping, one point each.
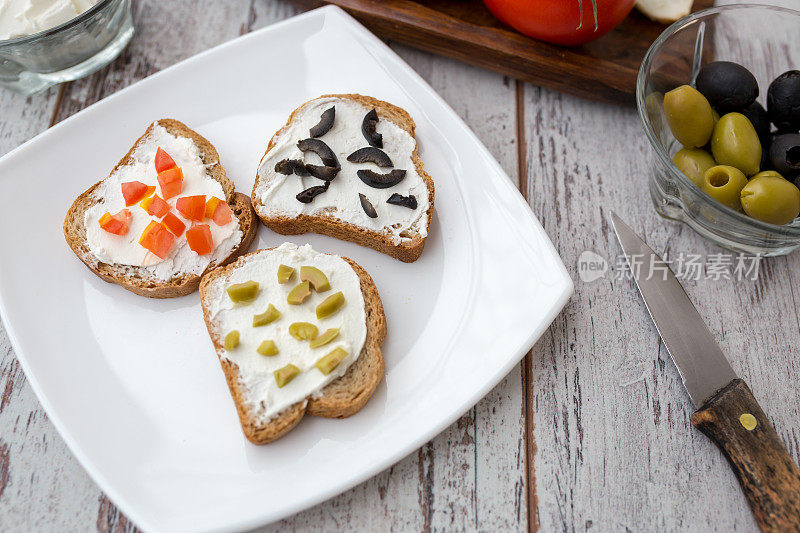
{"type": "Point", "coordinates": [133, 191]}
{"type": "Point", "coordinates": [163, 161]}
{"type": "Point", "coordinates": [117, 224]}
{"type": "Point", "coordinates": [150, 190]}
{"type": "Point", "coordinates": [211, 206]}
{"type": "Point", "coordinates": [223, 214]}
{"type": "Point", "coordinates": [192, 207]}
{"type": "Point", "coordinates": [199, 239]}
{"type": "Point", "coordinates": [174, 224]}
{"type": "Point", "coordinates": [157, 239]}
{"type": "Point", "coordinates": [171, 182]}
{"type": "Point", "coordinates": [155, 206]}
{"type": "Point", "coordinates": [218, 211]}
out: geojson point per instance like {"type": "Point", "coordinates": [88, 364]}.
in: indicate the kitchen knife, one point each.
{"type": "Point", "coordinates": [726, 412]}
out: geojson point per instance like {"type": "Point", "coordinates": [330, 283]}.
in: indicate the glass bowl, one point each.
{"type": "Point", "coordinates": [765, 39]}
{"type": "Point", "coordinates": [68, 51]}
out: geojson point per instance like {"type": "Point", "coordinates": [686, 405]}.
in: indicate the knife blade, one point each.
{"type": "Point", "coordinates": [701, 364]}
{"type": "Point", "coordinates": [727, 412]}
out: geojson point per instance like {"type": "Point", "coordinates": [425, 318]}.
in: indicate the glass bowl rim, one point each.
{"type": "Point", "coordinates": [740, 218]}
{"type": "Point", "coordinates": [79, 19]}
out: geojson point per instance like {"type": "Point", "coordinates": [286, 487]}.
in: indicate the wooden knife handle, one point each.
{"type": "Point", "coordinates": [769, 478]}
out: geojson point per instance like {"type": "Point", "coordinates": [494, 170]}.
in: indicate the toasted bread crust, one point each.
{"type": "Point", "coordinates": [408, 251]}
{"type": "Point", "coordinates": [137, 279]}
{"type": "Point", "coordinates": [341, 398]}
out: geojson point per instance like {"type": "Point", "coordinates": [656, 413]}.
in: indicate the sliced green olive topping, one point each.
{"type": "Point", "coordinates": [303, 331]}
{"type": "Point", "coordinates": [267, 317]}
{"type": "Point", "coordinates": [328, 363]}
{"type": "Point", "coordinates": [232, 340]}
{"type": "Point", "coordinates": [243, 292]}
{"type": "Point", "coordinates": [267, 348]}
{"type": "Point", "coordinates": [286, 374]}
{"type": "Point", "coordinates": [330, 305]}
{"type": "Point", "coordinates": [285, 273]}
{"type": "Point", "coordinates": [315, 276]}
{"type": "Point", "coordinates": [325, 338]}
{"type": "Point", "coordinates": [299, 294]}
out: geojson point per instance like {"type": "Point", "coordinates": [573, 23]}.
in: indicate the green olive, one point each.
{"type": "Point", "coordinates": [316, 277]}
{"type": "Point", "coordinates": [325, 338]}
{"type": "Point", "coordinates": [689, 116]}
{"type": "Point", "coordinates": [285, 374]}
{"type": "Point", "coordinates": [771, 199]}
{"type": "Point", "coordinates": [299, 294]}
{"type": "Point", "coordinates": [267, 317]}
{"type": "Point", "coordinates": [285, 273]}
{"type": "Point", "coordinates": [232, 340]}
{"type": "Point", "coordinates": [267, 348]}
{"type": "Point", "coordinates": [243, 292]}
{"type": "Point", "coordinates": [328, 363]}
{"type": "Point", "coordinates": [735, 143]}
{"type": "Point", "coordinates": [724, 183]}
{"type": "Point", "coordinates": [693, 162]}
{"type": "Point", "coordinates": [303, 331]}
{"type": "Point", "coordinates": [330, 305]}
{"type": "Point", "coordinates": [767, 174]}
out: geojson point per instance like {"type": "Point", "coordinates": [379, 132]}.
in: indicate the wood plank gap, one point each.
{"type": "Point", "coordinates": [527, 363]}
{"type": "Point", "coordinates": [62, 89]}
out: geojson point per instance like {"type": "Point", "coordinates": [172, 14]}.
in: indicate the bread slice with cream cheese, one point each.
{"type": "Point", "coordinates": [121, 259]}
{"type": "Point", "coordinates": [371, 189]}
{"type": "Point", "coordinates": [267, 410]}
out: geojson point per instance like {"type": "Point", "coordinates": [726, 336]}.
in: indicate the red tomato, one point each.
{"type": "Point", "coordinates": [163, 161]}
{"type": "Point", "coordinates": [155, 206]}
{"type": "Point", "coordinates": [117, 224]}
{"type": "Point", "coordinates": [174, 224]}
{"type": "Point", "coordinates": [559, 21]}
{"type": "Point", "coordinates": [199, 239]}
{"type": "Point", "coordinates": [133, 191]}
{"type": "Point", "coordinates": [192, 207]}
{"type": "Point", "coordinates": [157, 239]}
{"type": "Point", "coordinates": [171, 182]}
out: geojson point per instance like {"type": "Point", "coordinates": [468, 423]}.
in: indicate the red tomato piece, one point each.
{"type": "Point", "coordinates": [174, 224]}
{"type": "Point", "coordinates": [157, 239]}
{"type": "Point", "coordinates": [133, 191]}
{"type": "Point", "coordinates": [171, 182]}
{"type": "Point", "coordinates": [192, 207]}
{"type": "Point", "coordinates": [118, 224]}
{"type": "Point", "coordinates": [211, 206]}
{"type": "Point", "coordinates": [199, 239]}
{"type": "Point", "coordinates": [155, 206]}
{"type": "Point", "coordinates": [223, 214]}
{"type": "Point", "coordinates": [163, 161]}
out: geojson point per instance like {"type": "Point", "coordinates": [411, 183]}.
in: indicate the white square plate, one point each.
{"type": "Point", "coordinates": [134, 386]}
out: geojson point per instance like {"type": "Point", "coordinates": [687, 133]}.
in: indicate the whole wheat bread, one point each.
{"type": "Point", "coordinates": [341, 398]}
{"type": "Point", "coordinates": [323, 224]}
{"type": "Point", "coordinates": [138, 279]}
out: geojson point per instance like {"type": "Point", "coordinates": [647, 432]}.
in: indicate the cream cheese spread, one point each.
{"type": "Point", "coordinates": [25, 17]}
{"type": "Point", "coordinates": [264, 396]}
{"type": "Point", "coordinates": [126, 250]}
{"type": "Point", "coordinates": [278, 192]}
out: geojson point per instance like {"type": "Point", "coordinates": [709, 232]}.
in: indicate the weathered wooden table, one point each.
{"type": "Point", "coordinates": [590, 431]}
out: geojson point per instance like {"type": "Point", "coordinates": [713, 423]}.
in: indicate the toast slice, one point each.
{"type": "Point", "coordinates": [342, 397]}
{"type": "Point", "coordinates": [337, 211]}
{"type": "Point", "coordinates": [139, 279]}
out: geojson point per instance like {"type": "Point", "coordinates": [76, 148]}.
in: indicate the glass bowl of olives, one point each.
{"type": "Point", "coordinates": [718, 94]}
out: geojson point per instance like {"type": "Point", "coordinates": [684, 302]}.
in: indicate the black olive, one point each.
{"type": "Point", "coordinates": [291, 166]}
{"type": "Point", "coordinates": [783, 101]}
{"type": "Point", "coordinates": [381, 181]}
{"type": "Point", "coordinates": [367, 206]}
{"type": "Point", "coordinates": [322, 172]}
{"type": "Point", "coordinates": [409, 201]}
{"type": "Point", "coordinates": [785, 154]}
{"type": "Point", "coordinates": [309, 194]}
{"type": "Point", "coordinates": [368, 129]}
{"type": "Point", "coordinates": [727, 86]}
{"type": "Point", "coordinates": [370, 154]}
{"type": "Point", "coordinates": [757, 115]}
{"type": "Point", "coordinates": [325, 123]}
{"type": "Point", "coordinates": [321, 149]}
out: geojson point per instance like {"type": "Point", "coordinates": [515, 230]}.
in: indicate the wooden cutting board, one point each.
{"type": "Point", "coordinates": [602, 70]}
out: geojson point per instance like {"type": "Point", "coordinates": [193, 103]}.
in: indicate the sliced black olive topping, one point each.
{"type": "Point", "coordinates": [291, 166]}
{"type": "Point", "coordinates": [370, 154]}
{"type": "Point", "coordinates": [321, 149]}
{"type": "Point", "coordinates": [368, 129]}
{"type": "Point", "coordinates": [409, 201]}
{"type": "Point", "coordinates": [367, 206]}
{"type": "Point", "coordinates": [322, 172]}
{"type": "Point", "coordinates": [381, 181]}
{"type": "Point", "coordinates": [325, 123]}
{"type": "Point", "coordinates": [308, 195]}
